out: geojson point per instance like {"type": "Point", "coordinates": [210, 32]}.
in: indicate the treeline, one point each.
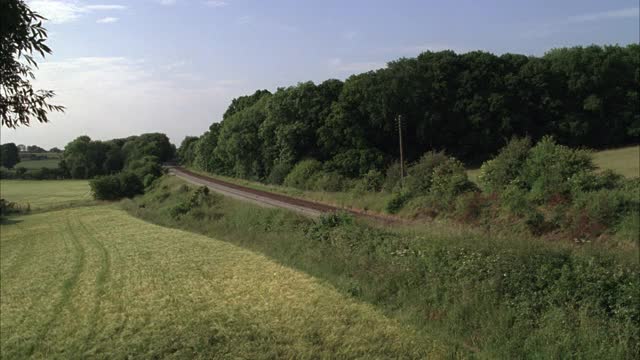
{"type": "Point", "coordinates": [467, 104]}
{"type": "Point", "coordinates": [118, 167]}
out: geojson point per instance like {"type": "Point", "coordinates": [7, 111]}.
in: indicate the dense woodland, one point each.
{"type": "Point", "coordinates": [469, 105]}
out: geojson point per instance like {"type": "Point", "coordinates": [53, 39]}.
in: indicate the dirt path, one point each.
{"type": "Point", "coordinates": [269, 199]}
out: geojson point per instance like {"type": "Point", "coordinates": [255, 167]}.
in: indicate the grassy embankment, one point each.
{"type": "Point", "coordinates": [625, 161]}
{"type": "Point", "coordinates": [97, 282]}
{"type": "Point", "coordinates": [494, 296]}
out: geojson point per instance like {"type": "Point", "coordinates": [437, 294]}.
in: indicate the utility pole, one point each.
{"type": "Point", "coordinates": [401, 151]}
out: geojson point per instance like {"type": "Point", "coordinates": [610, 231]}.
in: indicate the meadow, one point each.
{"type": "Point", "coordinates": [97, 282]}
{"type": "Point", "coordinates": [41, 195]}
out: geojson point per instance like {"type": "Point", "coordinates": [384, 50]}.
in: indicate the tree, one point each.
{"type": "Point", "coordinates": [9, 155]}
{"type": "Point", "coordinates": [35, 149]}
{"type": "Point", "coordinates": [21, 35]}
{"type": "Point", "coordinates": [55, 150]}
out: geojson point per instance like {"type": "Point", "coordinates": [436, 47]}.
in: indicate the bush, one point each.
{"type": "Point", "coordinates": [301, 174]}
{"type": "Point", "coordinates": [356, 162]}
{"type": "Point", "coordinates": [328, 181]}
{"type": "Point", "coordinates": [397, 201]}
{"type": "Point", "coordinates": [500, 171]}
{"type": "Point", "coordinates": [106, 187]}
{"type": "Point", "coordinates": [114, 187]}
{"type": "Point", "coordinates": [392, 177]}
{"type": "Point", "coordinates": [201, 197]}
{"type": "Point", "coordinates": [449, 179]}
{"type": "Point", "coordinates": [549, 168]}
{"type": "Point", "coordinates": [420, 174]}
{"type": "Point", "coordinates": [130, 184]}
{"type": "Point", "coordinates": [472, 206]}
{"type": "Point", "coordinates": [278, 174]}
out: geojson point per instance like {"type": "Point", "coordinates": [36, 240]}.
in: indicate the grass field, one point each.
{"type": "Point", "coordinates": [43, 194]}
{"type": "Point", "coordinates": [97, 282]}
{"type": "Point", "coordinates": [625, 161]}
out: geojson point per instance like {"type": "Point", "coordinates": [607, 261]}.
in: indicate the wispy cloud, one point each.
{"type": "Point", "coordinates": [97, 90]}
{"type": "Point", "coordinates": [216, 3]}
{"type": "Point", "coordinates": [107, 20]}
{"type": "Point", "coordinates": [547, 29]}
{"type": "Point", "coordinates": [167, 2]}
{"type": "Point", "coordinates": [62, 11]}
{"type": "Point", "coordinates": [337, 65]}
{"type": "Point", "coordinates": [604, 15]}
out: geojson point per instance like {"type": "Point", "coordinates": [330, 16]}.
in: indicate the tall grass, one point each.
{"type": "Point", "coordinates": [490, 296]}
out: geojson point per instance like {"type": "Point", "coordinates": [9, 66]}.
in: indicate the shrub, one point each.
{"type": "Point", "coordinates": [356, 162]}
{"type": "Point", "coordinates": [500, 171]}
{"type": "Point", "coordinates": [113, 187]}
{"type": "Point", "coordinates": [130, 184]}
{"type": "Point", "coordinates": [20, 171]}
{"type": "Point", "coordinates": [320, 230]}
{"type": "Point", "coordinates": [589, 181]}
{"type": "Point", "coordinates": [397, 201]}
{"type": "Point", "coordinates": [420, 174]}
{"type": "Point", "coordinates": [328, 181]}
{"type": "Point", "coordinates": [278, 174]}
{"type": "Point", "coordinates": [549, 168]}
{"type": "Point", "coordinates": [472, 206]}
{"type": "Point", "coordinates": [301, 174]}
{"type": "Point", "coordinates": [449, 179]}
{"type": "Point", "coordinates": [106, 187]}
{"type": "Point", "coordinates": [201, 197]}
{"type": "Point", "coordinates": [148, 180]}
{"type": "Point", "coordinates": [392, 177]}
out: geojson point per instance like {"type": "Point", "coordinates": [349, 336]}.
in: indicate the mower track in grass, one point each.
{"type": "Point", "coordinates": [96, 282]}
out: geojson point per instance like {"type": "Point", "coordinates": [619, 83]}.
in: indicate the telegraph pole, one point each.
{"type": "Point", "coordinates": [401, 151]}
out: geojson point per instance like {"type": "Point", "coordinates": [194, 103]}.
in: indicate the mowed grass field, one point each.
{"type": "Point", "coordinates": [625, 161]}
{"type": "Point", "coordinates": [97, 282]}
{"type": "Point", "coordinates": [44, 194]}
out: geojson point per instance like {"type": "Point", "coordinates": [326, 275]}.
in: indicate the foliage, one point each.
{"type": "Point", "coordinates": [302, 173]}
{"type": "Point", "coordinates": [187, 150]}
{"type": "Point", "coordinates": [465, 104]}
{"type": "Point", "coordinates": [9, 155]}
{"type": "Point", "coordinates": [398, 200]}
{"type": "Point", "coordinates": [21, 35]}
{"type": "Point", "coordinates": [84, 158]}
{"type": "Point", "coordinates": [114, 187]}
{"type": "Point", "coordinates": [549, 166]}
{"type": "Point", "coordinates": [499, 172]}
{"type": "Point", "coordinates": [278, 173]}
{"type": "Point", "coordinates": [547, 300]}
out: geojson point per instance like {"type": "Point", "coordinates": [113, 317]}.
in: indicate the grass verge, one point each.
{"type": "Point", "coordinates": [494, 297]}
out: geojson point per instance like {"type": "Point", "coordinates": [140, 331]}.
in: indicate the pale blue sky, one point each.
{"type": "Point", "coordinates": [127, 67]}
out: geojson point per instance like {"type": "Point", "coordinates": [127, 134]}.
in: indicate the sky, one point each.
{"type": "Point", "coordinates": [126, 67]}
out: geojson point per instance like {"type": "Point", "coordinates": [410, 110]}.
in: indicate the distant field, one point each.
{"type": "Point", "coordinates": [42, 194]}
{"type": "Point", "coordinates": [95, 282]}
{"type": "Point", "coordinates": [625, 161]}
